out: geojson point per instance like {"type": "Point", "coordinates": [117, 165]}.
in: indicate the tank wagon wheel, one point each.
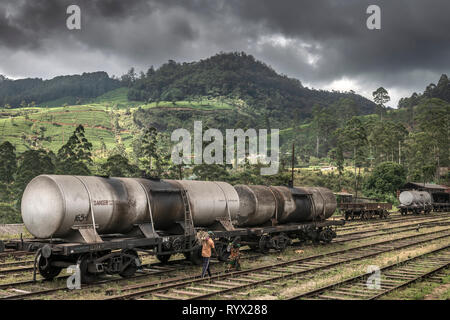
{"type": "Point", "coordinates": [222, 251]}
{"type": "Point", "coordinates": [281, 242]}
{"type": "Point", "coordinates": [195, 256]}
{"type": "Point", "coordinates": [86, 276]}
{"type": "Point", "coordinates": [327, 235]}
{"type": "Point", "coordinates": [163, 258]}
{"type": "Point", "coordinates": [264, 243]}
{"type": "Point", "coordinates": [132, 257]}
{"type": "Point", "coordinates": [45, 268]}
{"type": "Point", "coordinates": [363, 216]}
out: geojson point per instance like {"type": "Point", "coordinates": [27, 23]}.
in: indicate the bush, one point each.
{"type": "Point", "coordinates": [385, 180]}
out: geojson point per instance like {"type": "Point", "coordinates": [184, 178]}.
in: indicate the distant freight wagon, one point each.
{"type": "Point", "coordinates": [361, 207]}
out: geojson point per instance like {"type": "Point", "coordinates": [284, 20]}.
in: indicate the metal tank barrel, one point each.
{"type": "Point", "coordinates": [257, 205]}
{"type": "Point", "coordinates": [301, 204]}
{"type": "Point", "coordinates": [55, 205]}
{"type": "Point", "coordinates": [210, 200]}
{"type": "Point", "coordinates": [52, 205]}
{"type": "Point", "coordinates": [414, 197]}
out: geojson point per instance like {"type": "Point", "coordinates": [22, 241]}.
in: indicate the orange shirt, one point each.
{"type": "Point", "coordinates": [206, 248]}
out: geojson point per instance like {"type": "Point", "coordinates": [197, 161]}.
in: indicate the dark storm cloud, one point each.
{"type": "Point", "coordinates": [319, 42]}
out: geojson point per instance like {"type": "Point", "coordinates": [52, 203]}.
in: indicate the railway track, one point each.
{"type": "Point", "coordinates": [26, 265]}
{"type": "Point", "coordinates": [373, 232]}
{"type": "Point", "coordinates": [392, 277]}
{"type": "Point", "coordinates": [13, 253]}
{"type": "Point", "coordinates": [147, 270]}
{"type": "Point", "coordinates": [372, 223]}
{"type": "Point", "coordinates": [201, 288]}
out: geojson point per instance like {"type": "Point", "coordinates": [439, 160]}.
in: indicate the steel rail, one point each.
{"type": "Point", "coordinates": [398, 280]}
{"type": "Point", "coordinates": [314, 266]}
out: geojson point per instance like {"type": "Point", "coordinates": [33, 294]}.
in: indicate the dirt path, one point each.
{"type": "Point", "coordinates": [438, 292]}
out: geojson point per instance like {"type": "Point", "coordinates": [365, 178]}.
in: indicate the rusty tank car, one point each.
{"type": "Point", "coordinates": [101, 223]}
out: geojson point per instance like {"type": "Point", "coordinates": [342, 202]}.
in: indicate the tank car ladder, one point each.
{"type": "Point", "coordinates": [188, 221]}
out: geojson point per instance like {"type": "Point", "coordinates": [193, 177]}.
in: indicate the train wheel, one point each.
{"type": "Point", "coordinates": [327, 235]}
{"type": "Point", "coordinates": [163, 258]}
{"type": "Point", "coordinates": [45, 268]}
{"type": "Point", "coordinates": [131, 269]}
{"type": "Point", "coordinates": [265, 243]}
{"type": "Point", "coordinates": [221, 249]}
{"type": "Point", "coordinates": [195, 256]}
{"type": "Point", "coordinates": [86, 276]}
{"type": "Point", "coordinates": [281, 241]}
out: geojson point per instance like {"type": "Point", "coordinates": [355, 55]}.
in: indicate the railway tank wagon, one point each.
{"type": "Point", "coordinates": [101, 223]}
{"type": "Point", "coordinates": [415, 202]}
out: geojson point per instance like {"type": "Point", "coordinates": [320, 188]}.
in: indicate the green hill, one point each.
{"type": "Point", "coordinates": [237, 76]}
{"type": "Point", "coordinates": [62, 89]}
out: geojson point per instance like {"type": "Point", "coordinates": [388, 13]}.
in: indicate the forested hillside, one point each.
{"type": "Point", "coordinates": [440, 91]}
{"type": "Point", "coordinates": [77, 125]}
{"type": "Point", "coordinates": [236, 76]}
{"type": "Point", "coordinates": [75, 88]}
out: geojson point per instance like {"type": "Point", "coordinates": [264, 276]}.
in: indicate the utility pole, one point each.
{"type": "Point", "coordinates": [292, 165]}
{"type": "Point", "coordinates": [356, 179]}
{"type": "Point", "coordinates": [399, 152]}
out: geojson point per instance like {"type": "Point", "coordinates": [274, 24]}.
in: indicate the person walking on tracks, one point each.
{"type": "Point", "coordinates": [207, 245]}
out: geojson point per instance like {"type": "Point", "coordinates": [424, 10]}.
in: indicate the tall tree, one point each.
{"type": "Point", "coordinates": [380, 97]}
{"type": "Point", "coordinates": [325, 123]}
{"type": "Point", "coordinates": [31, 164]}
{"type": "Point", "coordinates": [353, 138]}
{"type": "Point", "coordinates": [76, 155]}
{"type": "Point", "coordinates": [8, 162]}
{"type": "Point", "coordinates": [149, 148]}
{"type": "Point", "coordinates": [118, 166]}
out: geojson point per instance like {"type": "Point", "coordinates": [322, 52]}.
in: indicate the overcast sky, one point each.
{"type": "Point", "coordinates": [323, 43]}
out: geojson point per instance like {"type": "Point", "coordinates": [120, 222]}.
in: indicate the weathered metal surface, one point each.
{"type": "Point", "coordinates": [59, 205]}
{"type": "Point", "coordinates": [257, 205]}
{"type": "Point", "coordinates": [285, 202]}
{"type": "Point", "coordinates": [53, 205]}
{"type": "Point", "coordinates": [210, 200]}
{"type": "Point", "coordinates": [306, 204]}
{"type": "Point", "coordinates": [324, 202]}
{"type": "Point", "coordinates": [414, 197]}
{"type": "Point", "coordinates": [366, 206]}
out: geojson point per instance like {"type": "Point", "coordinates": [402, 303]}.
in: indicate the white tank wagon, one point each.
{"type": "Point", "coordinates": [101, 223]}
{"type": "Point", "coordinates": [59, 206]}
{"type": "Point", "coordinates": [415, 202]}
